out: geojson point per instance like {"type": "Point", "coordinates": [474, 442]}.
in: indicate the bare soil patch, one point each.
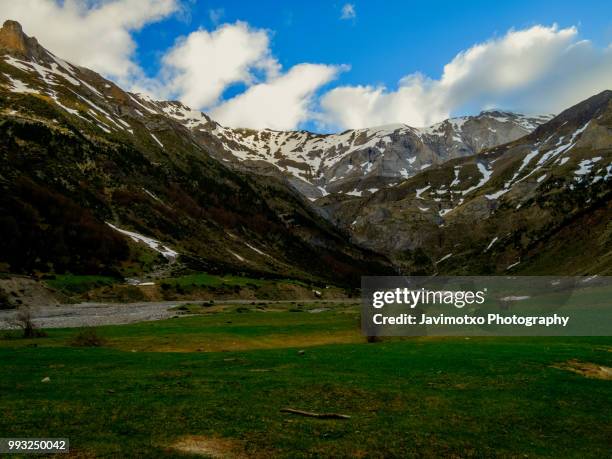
{"type": "Point", "coordinates": [221, 448]}
{"type": "Point", "coordinates": [586, 369]}
{"type": "Point", "coordinates": [27, 292]}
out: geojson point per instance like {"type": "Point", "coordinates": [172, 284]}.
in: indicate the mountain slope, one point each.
{"type": "Point", "coordinates": [515, 208]}
{"type": "Point", "coordinates": [79, 155]}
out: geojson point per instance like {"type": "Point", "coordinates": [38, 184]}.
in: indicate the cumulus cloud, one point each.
{"type": "Point", "coordinates": [539, 69]}
{"type": "Point", "coordinates": [415, 102]}
{"type": "Point", "coordinates": [203, 64]}
{"type": "Point", "coordinates": [348, 11]}
{"type": "Point", "coordinates": [279, 103]}
{"type": "Point", "coordinates": [96, 35]}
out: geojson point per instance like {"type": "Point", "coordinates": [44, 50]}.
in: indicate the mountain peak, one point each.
{"type": "Point", "coordinates": [12, 37]}
{"type": "Point", "coordinates": [578, 114]}
{"type": "Point", "coordinates": [15, 40]}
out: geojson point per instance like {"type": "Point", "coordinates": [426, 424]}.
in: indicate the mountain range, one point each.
{"type": "Point", "coordinates": [353, 162]}
{"type": "Point", "coordinates": [538, 205]}
{"type": "Point", "coordinates": [97, 179]}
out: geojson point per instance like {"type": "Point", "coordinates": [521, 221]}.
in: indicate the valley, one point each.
{"type": "Point", "coordinates": [173, 287]}
{"type": "Point", "coordinates": [140, 175]}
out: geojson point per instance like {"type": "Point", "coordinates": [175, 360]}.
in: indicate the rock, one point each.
{"type": "Point", "coordinates": [362, 161]}
{"type": "Point", "coordinates": [45, 379]}
{"type": "Point", "coordinates": [13, 39]}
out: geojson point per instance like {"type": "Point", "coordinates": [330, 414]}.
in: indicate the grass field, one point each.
{"type": "Point", "coordinates": [69, 283]}
{"type": "Point", "coordinates": [212, 280]}
{"type": "Point", "coordinates": [194, 285]}
{"type": "Point", "coordinates": [217, 382]}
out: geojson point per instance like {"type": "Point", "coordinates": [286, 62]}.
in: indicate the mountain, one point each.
{"type": "Point", "coordinates": [354, 162]}
{"type": "Point", "coordinates": [538, 205]}
{"type": "Point", "coordinates": [93, 180]}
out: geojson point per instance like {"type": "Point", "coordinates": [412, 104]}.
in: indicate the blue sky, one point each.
{"type": "Point", "coordinates": [287, 65]}
{"type": "Point", "coordinates": [387, 39]}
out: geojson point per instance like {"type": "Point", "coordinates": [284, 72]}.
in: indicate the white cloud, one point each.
{"type": "Point", "coordinates": [540, 69]}
{"type": "Point", "coordinates": [96, 35]}
{"type": "Point", "coordinates": [202, 65]}
{"type": "Point", "coordinates": [414, 102]}
{"type": "Point", "coordinates": [348, 11]}
{"type": "Point", "coordinates": [279, 103]}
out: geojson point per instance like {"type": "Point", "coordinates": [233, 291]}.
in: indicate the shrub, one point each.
{"type": "Point", "coordinates": [24, 320]}
{"type": "Point", "coordinates": [5, 302]}
{"type": "Point", "coordinates": [88, 338]}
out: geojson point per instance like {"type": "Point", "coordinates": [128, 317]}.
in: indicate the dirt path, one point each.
{"type": "Point", "coordinates": [95, 314]}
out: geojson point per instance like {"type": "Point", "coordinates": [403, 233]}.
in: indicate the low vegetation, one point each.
{"type": "Point", "coordinates": [24, 320]}
{"type": "Point", "coordinates": [218, 382]}
{"type": "Point", "coordinates": [88, 337]}
{"type": "Point", "coordinates": [77, 284]}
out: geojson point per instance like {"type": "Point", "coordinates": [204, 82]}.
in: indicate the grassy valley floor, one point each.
{"type": "Point", "coordinates": [215, 383]}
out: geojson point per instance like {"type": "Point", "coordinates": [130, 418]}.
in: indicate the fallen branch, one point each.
{"type": "Point", "coordinates": [316, 415]}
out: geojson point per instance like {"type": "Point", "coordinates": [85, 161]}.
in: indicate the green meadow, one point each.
{"type": "Point", "coordinates": [214, 384]}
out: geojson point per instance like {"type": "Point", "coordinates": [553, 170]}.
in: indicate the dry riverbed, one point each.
{"type": "Point", "coordinates": [96, 314]}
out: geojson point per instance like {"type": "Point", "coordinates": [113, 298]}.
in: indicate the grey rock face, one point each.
{"type": "Point", "coordinates": [355, 162]}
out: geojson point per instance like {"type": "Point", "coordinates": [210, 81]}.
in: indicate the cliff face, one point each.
{"type": "Point", "coordinates": [15, 41]}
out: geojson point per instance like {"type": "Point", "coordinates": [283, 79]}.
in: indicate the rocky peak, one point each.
{"type": "Point", "coordinates": [12, 37]}
{"type": "Point", "coordinates": [14, 40]}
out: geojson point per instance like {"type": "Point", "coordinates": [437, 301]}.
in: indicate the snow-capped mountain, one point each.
{"type": "Point", "coordinates": [355, 162]}
{"type": "Point", "coordinates": [538, 204]}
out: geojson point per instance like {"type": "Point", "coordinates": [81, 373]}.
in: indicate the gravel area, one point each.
{"type": "Point", "coordinates": [95, 314]}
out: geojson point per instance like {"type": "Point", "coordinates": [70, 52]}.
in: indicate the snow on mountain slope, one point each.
{"type": "Point", "coordinates": [516, 194]}
{"type": "Point", "coordinates": [356, 160]}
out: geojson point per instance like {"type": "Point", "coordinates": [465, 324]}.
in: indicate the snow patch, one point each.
{"type": "Point", "coordinates": [445, 257]}
{"type": "Point", "coordinates": [513, 265]}
{"type": "Point", "coordinates": [19, 86]}
{"type": "Point", "coordinates": [152, 243]}
{"type": "Point", "coordinates": [255, 249]}
{"type": "Point", "coordinates": [486, 175]}
{"type": "Point", "coordinates": [419, 191]}
{"type": "Point", "coordinates": [237, 256]}
{"type": "Point", "coordinates": [491, 244]}
{"type": "Point", "coordinates": [156, 139]}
